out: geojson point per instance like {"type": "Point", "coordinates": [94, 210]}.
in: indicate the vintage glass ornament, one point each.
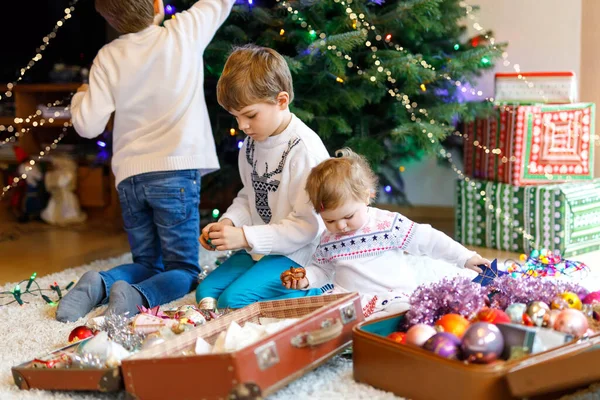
{"type": "Point", "coordinates": [537, 314]}
{"type": "Point", "coordinates": [482, 343]}
{"type": "Point", "coordinates": [80, 333]}
{"type": "Point", "coordinates": [455, 324]}
{"type": "Point", "coordinates": [515, 312]}
{"type": "Point", "coordinates": [444, 344]}
{"type": "Point", "coordinates": [572, 322]}
{"type": "Point", "coordinates": [493, 316]}
{"type": "Point", "coordinates": [572, 299]}
{"type": "Point", "coordinates": [418, 334]}
{"type": "Point", "coordinates": [398, 337]}
{"type": "Point", "coordinates": [591, 298]}
{"type": "Point", "coordinates": [559, 303]}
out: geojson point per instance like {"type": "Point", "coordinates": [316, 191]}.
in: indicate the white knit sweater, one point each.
{"type": "Point", "coordinates": [154, 80]}
{"type": "Point", "coordinates": [273, 208]}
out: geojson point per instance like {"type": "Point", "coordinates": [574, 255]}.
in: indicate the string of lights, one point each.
{"type": "Point", "coordinates": [38, 52]}
{"type": "Point", "coordinates": [32, 288]}
{"type": "Point", "coordinates": [32, 162]}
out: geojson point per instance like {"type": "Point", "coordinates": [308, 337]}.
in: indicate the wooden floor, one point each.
{"type": "Point", "coordinates": [45, 249]}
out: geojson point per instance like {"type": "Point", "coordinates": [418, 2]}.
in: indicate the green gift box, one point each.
{"type": "Point", "coordinates": [560, 217]}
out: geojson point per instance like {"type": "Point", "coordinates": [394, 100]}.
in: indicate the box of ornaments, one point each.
{"type": "Point", "coordinates": [92, 355]}
{"type": "Point", "coordinates": [251, 351]}
{"type": "Point", "coordinates": [518, 337]}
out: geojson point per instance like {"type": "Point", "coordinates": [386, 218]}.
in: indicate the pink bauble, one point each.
{"type": "Point", "coordinates": [592, 298]}
{"type": "Point", "coordinates": [572, 322]}
{"type": "Point", "coordinates": [418, 334]}
{"type": "Point", "coordinates": [553, 315]}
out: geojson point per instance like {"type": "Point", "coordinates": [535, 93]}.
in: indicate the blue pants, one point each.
{"type": "Point", "coordinates": [161, 217]}
{"type": "Point", "coordinates": [241, 281]}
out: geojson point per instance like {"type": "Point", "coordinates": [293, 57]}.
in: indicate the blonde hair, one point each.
{"type": "Point", "coordinates": [127, 16]}
{"type": "Point", "coordinates": [253, 74]}
{"type": "Point", "coordinates": [338, 180]}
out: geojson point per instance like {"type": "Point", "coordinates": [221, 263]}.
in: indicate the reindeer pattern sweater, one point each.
{"type": "Point", "coordinates": [273, 207]}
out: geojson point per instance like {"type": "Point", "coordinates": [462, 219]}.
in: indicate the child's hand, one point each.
{"type": "Point", "coordinates": [204, 238]}
{"type": "Point", "coordinates": [223, 237]}
{"type": "Point", "coordinates": [83, 88]}
{"type": "Point", "coordinates": [294, 278]}
{"type": "Point", "coordinates": [474, 262]}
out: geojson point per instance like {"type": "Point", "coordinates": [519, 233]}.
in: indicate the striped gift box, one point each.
{"type": "Point", "coordinates": [560, 217]}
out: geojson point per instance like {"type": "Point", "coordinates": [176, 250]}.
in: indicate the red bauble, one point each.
{"type": "Point", "coordinates": [80, 333]}
{"type": "Point", "coordinates": [398, 337]}
{"type": "Point", "coordinates": [452, 323]}
{"type": "Point", "coordinates": [493, 316]}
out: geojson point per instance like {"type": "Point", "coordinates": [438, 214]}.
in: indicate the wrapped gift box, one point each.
{"type": "Point", "coordinates": [526, 145]}
{"type": "Point", "coordinates": [563, 217]}
{"type": "Point", "coordinates": [536, 87]}
{"type": "Point", "coordinates": [412, 372]}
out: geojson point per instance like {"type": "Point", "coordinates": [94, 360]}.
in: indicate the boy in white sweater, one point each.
{"type": "Point", "coordinates": [152, 78]}
{"type": "Point", "coordinates": [271, 218]}
{"type": "Point", "coordinates": [364, 247]}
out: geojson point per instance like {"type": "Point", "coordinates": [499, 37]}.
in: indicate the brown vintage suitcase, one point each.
{"type": "Point", "coordinates": [103, 380]}
{"type": "Point", "coordinates": [418, 374]}
{"type": "Point", "coordinates": [325, 329]}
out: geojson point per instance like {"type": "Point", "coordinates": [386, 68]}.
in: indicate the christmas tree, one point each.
{"type": "Point", "coordinates": [383, 77]}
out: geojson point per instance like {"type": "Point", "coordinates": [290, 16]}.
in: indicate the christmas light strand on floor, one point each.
{"type": "Point", "coordinates": [46, 39]}
{"type": "Point", "coordinates": [32, 162]}
{"type": "Point", "coordinates": [32, 288]}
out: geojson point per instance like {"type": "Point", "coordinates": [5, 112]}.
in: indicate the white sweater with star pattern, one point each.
{"type": "Point", "coordinates": [374, 261]}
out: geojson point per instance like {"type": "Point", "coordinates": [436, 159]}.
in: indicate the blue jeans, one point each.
{"type": "Point", "coordinates": [241, 281]}
{"type": "Point", "coordinates": [162, 221]}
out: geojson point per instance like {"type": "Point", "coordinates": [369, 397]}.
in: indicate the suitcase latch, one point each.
{"type": "Point", "coordinates": [347, 313]}
{"type": "Point", "coordinates": [266, 355]}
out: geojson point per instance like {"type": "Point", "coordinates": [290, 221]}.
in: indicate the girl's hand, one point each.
{"type": "Point", "coordinates": [474, 262]}
{"type": "Point", "coordinates": [204, 238]}
{"type": "Point", "coordinates": [226, 237]}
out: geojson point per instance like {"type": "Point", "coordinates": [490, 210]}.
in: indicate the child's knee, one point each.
{"type": "Point", "coordinates": [233, 299]}
{"type": "Point", "coordinates": [205, 289]}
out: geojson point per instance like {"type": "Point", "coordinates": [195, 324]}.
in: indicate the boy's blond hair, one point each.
{"type": "Point", "coordinates": [253, 74]}
{"type": "Point", "coordinates": [127, 16]}
{"type": "Point", "coordinates": [338, 180]}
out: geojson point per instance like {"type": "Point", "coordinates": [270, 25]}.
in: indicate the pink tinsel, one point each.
{"type": "Point", "coordinates": [461, 296]}
{"type": "Point", "coordinates": [457, 295]}
{"type": "Point", "coordinates": [507, 290]}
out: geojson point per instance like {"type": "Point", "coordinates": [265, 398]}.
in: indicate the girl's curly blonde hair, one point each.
{"type": "Point", "coordinates": [337, 180]}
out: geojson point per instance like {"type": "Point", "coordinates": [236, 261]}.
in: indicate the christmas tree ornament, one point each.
{"type": "Point", "coordinates": [572, 300]}
{"type": "Point", "coordinates": [293, 274]}
{"type": "Point", "coordinates": [591, 298]}
{"type": "Point", "coordinates": [553, 315]}
{"type": "Point", "coordinates": [418, 334]}
{"type": "Point", "coordinates": [398, 337]}
{"type": "Point", "coordinates": [452, 323]}
{"type": "Point", "coordinates": [537, 314]}
{"type": "Point", "coordinates": [559, 303]}
{"type": "Point", "coordinates": [80, 333]}
{"type": "Point", "coordinates": [493, 316]}
{"type": "Point", "coordinates": [515, 312]}
{"type": "Point", "coordinates": [444, 345]}
{"type": "Point", "coordinates": [572, 322]}
{"type": "Point", "coordinates": [482, 343]}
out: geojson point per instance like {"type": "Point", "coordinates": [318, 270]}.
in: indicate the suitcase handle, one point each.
{"type": "Point", "coordinates": [329, 331]}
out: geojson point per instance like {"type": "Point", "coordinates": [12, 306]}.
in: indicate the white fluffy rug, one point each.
{"type": "Point", "coordinates": [31, 330]}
